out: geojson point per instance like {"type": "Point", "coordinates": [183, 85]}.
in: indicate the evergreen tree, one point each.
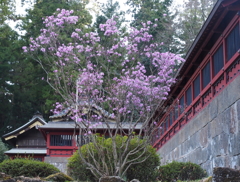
{"type": "Point", "coordinates": [42, 95]}
{"type": "Point", "coordinates": [3, 148]}
{"type": "Point", "coordinates": [156, 12]}
{"type": "Point", "coordinates": [110, 10]}
{"type": "Point", "coordinates": [23, 90]}
{"type": "Point", "coordinates": [33, 22]}
{"type": "Point", "coordinates": [6, 10]}
{"type": "Point", "coordinates": [190, 20]}
{"type": "Point", "coordinates": [9, 54]}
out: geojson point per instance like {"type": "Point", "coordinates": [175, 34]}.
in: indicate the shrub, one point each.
{"type": "Point", "coordinates": [181, 171]}
{"type": "Point", "coordinates": [3, 149]}
{"type": "Point", "coordinates": [27, 167]}
{"type": "Point", "coordinates": [60, 177]}
{"type": "Point", "coordinates": [144, 171]}
{"type": "Point", "coordinates": [78, 170]}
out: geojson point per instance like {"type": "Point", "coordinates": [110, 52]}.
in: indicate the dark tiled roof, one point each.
{"type": "Point", "coordinates": [66, 111]}
{"type": "Point", "coordinates": [31, 121]}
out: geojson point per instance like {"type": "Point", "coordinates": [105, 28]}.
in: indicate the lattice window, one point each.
{"type": "Point", "coordinates": [181, 104]}
{"type": "Point", "coordinates": [206, 76]}
{"type": "Point", "coordinates": [167, 123]}
{"type": "Point", "coordinates": [171, 118]}
{"type": "Point", "coordinates": [196, 85]}
{"type": "Point", "coordinates": [218, 60]}
{"type": "Point", "coordinates": [61, 140]}
{"type": "Point", "coordinates": [189, 96]}
{"type": "Point", "coordinates": [233, 42]}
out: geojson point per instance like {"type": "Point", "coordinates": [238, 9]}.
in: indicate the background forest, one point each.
{"type": "Point", "coordinates": [23, 90]}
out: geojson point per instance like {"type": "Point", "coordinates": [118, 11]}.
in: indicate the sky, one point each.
{"type": "Point", "coordinates": [21, 9]}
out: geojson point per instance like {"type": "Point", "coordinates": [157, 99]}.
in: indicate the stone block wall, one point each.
{"type": "Point", "coordinates": [59, 162]}
{"type": "Point", "coordinates": [211, 138]}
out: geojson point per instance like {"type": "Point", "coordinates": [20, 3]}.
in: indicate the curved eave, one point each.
{"type": "Point", "coordinates": [95, 108]}
{"type": "Point", "coordinates": [34, 122]}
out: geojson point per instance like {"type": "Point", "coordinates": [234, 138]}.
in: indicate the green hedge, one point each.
{"type": "Point", "coordinates": [27, 167]}
{"type": "Point", "coordinates": [181, 171]}
{"type": "Point", "coordinates": [145, 171]}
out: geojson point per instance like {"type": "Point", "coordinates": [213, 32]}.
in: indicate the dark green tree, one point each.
{"type": "Point", "coordinates": [9, 54]}
{"type": "Point", "coordinates": [6, 10]}
{"type": "Point", "coordinates": [157, 12]}
{"type": "Point", "coordinates": [42, 96]}
{"type": "Point", "coordinates": [3, 148]}
{"type": "Point", "coordinates": [33, 22]}
{"type": "Point", "coordinates": [109, 10]}
{"type": "Point", "coordinates": [23, 90]}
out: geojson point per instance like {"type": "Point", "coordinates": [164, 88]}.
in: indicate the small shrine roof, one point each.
{"type": "Point", "coordinates": [86, 104]}
{"type": "Point", "coordinates": [36, 121]}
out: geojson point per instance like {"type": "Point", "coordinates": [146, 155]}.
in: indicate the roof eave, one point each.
{"type": "Point", "coordinates": [200, 33]}
{"type": "Point", "coordinates": [32, 121]}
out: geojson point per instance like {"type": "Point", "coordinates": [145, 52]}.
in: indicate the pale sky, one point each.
{"type": "Point", "coordinates": [21, 10]}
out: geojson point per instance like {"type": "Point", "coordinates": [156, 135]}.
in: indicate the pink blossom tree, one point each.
{"type": "Point", "coordinates": [108, 78]}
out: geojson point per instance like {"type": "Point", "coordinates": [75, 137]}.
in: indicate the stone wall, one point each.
{"type": "Point", "coordinates": [211, 138]}
{"type": "Point", "coordinates": [59, 162]}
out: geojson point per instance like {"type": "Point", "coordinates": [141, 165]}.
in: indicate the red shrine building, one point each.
{"type": "Point", "coordinates": [201, 117]}
{"type": "Point", "coordinates": [212, 63]}
{"type": "Point", "coordinates": [53, 142]}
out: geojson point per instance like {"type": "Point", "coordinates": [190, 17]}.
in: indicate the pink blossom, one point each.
{"type": "Point", "coordinates": [110, 75]}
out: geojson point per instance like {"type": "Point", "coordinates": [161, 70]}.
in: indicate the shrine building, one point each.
{"type": "Point", "coordinates": [200, 121]}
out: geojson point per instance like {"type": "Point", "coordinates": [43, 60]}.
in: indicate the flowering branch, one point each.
{"type": "Point", "coordinates": [106, 85]}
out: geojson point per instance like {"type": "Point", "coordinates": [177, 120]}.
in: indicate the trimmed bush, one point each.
{"type": "Point", "coordinates": [145, 171]}
{"type": "Point", "coordinates": [27, 167]}
{"type": "Point", "coordinates": [181, 171]}
{"type": "Point", "coordinates": [59, 177]}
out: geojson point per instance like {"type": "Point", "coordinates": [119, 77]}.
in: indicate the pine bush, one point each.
{"type": "Point", "coordinates": [181, 171]}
